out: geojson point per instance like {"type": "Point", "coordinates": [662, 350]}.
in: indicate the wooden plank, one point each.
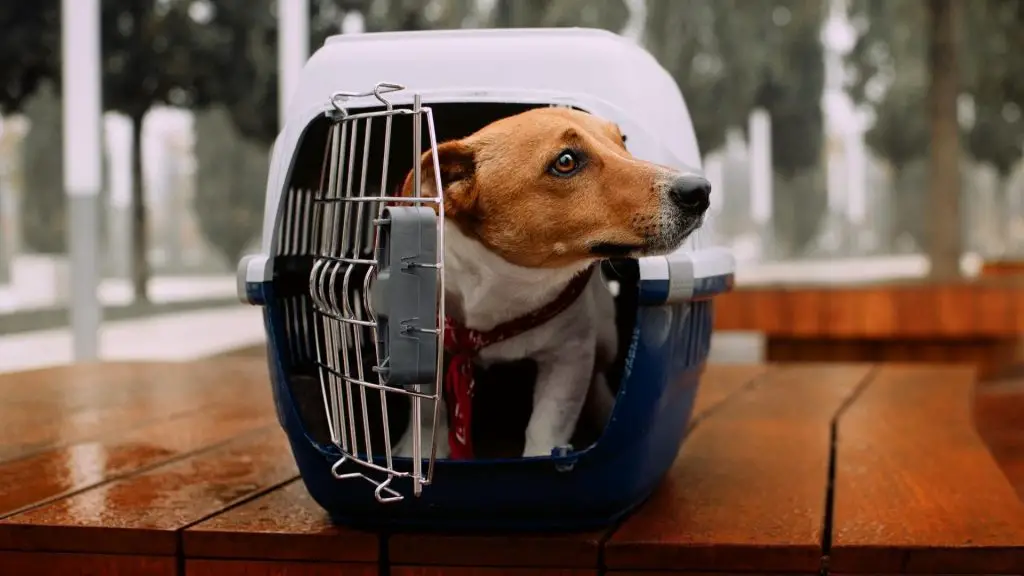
{"type": "Point", "coordinates": [284, 524]}
{"type": "Point", "coordinates": [63, 471]}
{"type": "Point", "coordinates": [247, 568]}
{"type": "Point", "coordinates": [36, 564]}
{"type": "Point", "coordinates": [916, 490]}
{"type": "Point", "coordinates": [748, 491]}
{"type": "Point", "coordinates": [471, 571]}
{"type": "Point", "coordinates": [549, 551]}
{"type": "Point", "coordinates": [718, 383]}
{"type": "Point", "coordinates": [141, 514]}
{"type": "Point", "coordinates": [45, 409]}
{"type": "Point", "coordinates": [999, 417]}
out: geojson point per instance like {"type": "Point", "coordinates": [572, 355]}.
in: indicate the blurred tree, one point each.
{"type": "Point", "coordinates": [944, 237]}
{"type": "Point", "coordinates": [231, 181]}
{"type": "Point", "coordinates": [704, 44]}
{"type": "Point", "coordinates": [28, 41]}
{"type": "Point", "coordinates": [29, 75]}
{"type": "Point", "coordinates": [891, 76]}
{"type": "Point", "coordinates": [731, 56]}
{"type": "Point", "coordinates": [149, 58]}
{"type": "Point", "coordinates": [29, 49]}
{"type": "Point", "coordinates": [605, 14]}
{"type": "Point", "coordinates": [238, 40]}
{"type": "Point", "coordinates": [790, 82]}
{"type": "Point", "coordinates": [995, 30]}
{"type": "Point", "coordinates": [43, 205]}
{"type": "Point", "coordinates": [903, 74]}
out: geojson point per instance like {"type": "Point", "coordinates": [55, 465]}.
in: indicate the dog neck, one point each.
{"type": "Point", "coordinates": [482, 289]}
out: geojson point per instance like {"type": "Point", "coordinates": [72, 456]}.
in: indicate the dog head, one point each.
{"type": "Point", "coordinates": [552, 187]}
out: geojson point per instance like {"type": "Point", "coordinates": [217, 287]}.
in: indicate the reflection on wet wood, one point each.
{"type": "Point", "coordinates": [43, 409]}
{"type": "Point", "coordinates": [748, 491]}
{"type": "Point", "coordinates": [285, 524]}
{"type": "Point", "coordinates": [169, 469]}
{"type": "Point", "coordinates": [915, 488]}
{"type": "Point", "coordinates": [62, 471]}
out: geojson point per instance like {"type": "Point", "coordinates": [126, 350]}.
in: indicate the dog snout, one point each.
{"type": "Point", "coordinates": [691, 193]}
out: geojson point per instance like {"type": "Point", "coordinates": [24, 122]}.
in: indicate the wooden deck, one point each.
{"type": "Point", "coordinates": [166, 469]}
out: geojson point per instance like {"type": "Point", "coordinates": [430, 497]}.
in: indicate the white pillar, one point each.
{"type": "Point", "coordinates": [292, 49]}
{"type": "Point", "coordinates": [83, 150]}
{"type": "Point", "coordinates": [761, 173]}
{"type": "Point", "coordinates": [353, 23]}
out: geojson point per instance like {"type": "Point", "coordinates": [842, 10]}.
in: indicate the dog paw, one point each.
{"type": "Point", "coordinates": [532, 449]}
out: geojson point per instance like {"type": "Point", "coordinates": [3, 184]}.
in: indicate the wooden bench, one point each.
{"type": "Point", "coordinates": [977, 322]}
{"type": "Point", "coordinates": [167, 469]}
{"type": "Point", "coordinates": [1002, 267]}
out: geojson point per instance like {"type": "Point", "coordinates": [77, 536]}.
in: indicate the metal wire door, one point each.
{"type": "Point", "coordinates": [375, 283]}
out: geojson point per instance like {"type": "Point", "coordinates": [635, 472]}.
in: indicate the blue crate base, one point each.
{"type": "Point", "coordinates": [606, 481]}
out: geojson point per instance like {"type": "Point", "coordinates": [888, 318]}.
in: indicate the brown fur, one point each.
{"type": "Point", "coordinates": [498, 188]}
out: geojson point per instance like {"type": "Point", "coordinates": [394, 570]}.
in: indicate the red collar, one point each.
{"type": "Point", "coordinates": [464, 343]}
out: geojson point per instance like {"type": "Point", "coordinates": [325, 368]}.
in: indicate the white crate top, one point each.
{"type": "Point", "coordinates": [598, 71]}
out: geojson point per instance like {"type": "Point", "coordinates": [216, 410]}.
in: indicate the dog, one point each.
{"type": "Point", "coordinates": [532, 203]}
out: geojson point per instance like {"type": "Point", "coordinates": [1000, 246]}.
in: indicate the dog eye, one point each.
{"type": "Point", "coordinates": [565, 164]}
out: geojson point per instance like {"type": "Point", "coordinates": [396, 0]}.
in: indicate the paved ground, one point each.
{"type": "Point", "coordinates": [118, 292]}
{"type": "Point", "coordinates": [190, 335]}
{"type": "Point", "coordinates": [180, 336]}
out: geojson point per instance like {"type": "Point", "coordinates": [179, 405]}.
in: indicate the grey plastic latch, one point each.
{"type": "Point", "coordinates": [405, 295]}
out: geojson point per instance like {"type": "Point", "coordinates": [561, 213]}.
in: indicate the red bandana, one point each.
{"type": "Point", "coordinates": [464, 343]}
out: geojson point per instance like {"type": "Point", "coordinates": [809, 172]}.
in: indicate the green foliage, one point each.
{"type": "Point", "coordinates": [889, 61]}
{"type": "Point", "coordinates": [709, 48]}
{"type": "Point", "coordinates": [44, 205]}
{"type": "Point", "coordinates": [704, 51]}
{"type": "Point", "coordinates": [239, 48]}
{"type": "Point", "coordinates": [149, 56]}
{"type": "Point", "coordinates": [995, 32]}
{"type": "Point", "coordinates": [29, 49]}
{"type": "Point", "coordinates": [892, 76]}
{"type": "Point", "coordinates": [609, 15]}
{"type": "Point", "coordinates": [230, 184]}
{"type": "Point", "coordinates": [790, 84]}
{"type": "Point", "coordinates": [732, 56]}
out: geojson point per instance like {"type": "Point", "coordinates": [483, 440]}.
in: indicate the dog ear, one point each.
{"type": "Point", "coordinates": [458, 167]}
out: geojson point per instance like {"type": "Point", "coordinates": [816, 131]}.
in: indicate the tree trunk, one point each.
{"type": "Point", "coordinates": [906, 224]}
{"type": "Point", "coordinates": [140, 261]}
{"type": "Point", "coordinates": [3, 244]}
{"type": "Point", "coordinates": [1001, 216]}
{"type": "Point", "coordinates": [944, 238]}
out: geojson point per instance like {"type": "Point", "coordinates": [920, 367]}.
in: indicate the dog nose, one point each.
{"type": "Point", "coordinates": [691, 193]}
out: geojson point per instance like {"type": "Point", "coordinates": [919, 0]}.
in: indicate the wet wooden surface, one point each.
{"type": "Point", "coordinates": [748, 490]}
{"type": "Point", "coordinates": [169, 469]}
{"type": "Point", "coordinates": [901, 505]}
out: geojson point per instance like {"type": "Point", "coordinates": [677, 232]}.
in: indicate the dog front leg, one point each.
{"type": "Point", "coordinates": [558, 399]}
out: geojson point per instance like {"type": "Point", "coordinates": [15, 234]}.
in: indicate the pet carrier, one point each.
{"type": "Point", "coordinates": [349, 276]}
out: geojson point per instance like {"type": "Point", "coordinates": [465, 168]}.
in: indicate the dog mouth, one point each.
{"type": "Point", "coordinates": [673, 236]}
{"type": "Point", "coordinates": [614, 249]}
{"type": "Point", "coordinates": [666, 240]}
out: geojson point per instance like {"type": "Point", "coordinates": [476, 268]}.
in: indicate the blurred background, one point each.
{"type": "Point", "coordinates": [815, 119]}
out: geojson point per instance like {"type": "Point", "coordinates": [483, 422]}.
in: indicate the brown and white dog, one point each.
{"type": "Point", "coordinates": [532, 203]}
